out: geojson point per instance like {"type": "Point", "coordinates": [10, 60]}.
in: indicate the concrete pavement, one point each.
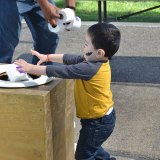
{"type": "Point", "coordinates": [135, 86]}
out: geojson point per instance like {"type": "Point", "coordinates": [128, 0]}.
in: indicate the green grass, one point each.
{"type": "Point", "coordinates": [88, 9]}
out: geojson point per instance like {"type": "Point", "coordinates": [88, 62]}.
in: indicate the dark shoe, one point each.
{"type": "Point", "coordinates": [112, 158]}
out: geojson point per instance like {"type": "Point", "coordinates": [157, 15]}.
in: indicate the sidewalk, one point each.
{"type": "Point", "coordinates": [135, 86]}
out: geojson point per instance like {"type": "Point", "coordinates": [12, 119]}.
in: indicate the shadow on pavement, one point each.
{"type": "Point", "coordinates": [136, 69]}
{"type": "Point", "coordinates": [26, 56]}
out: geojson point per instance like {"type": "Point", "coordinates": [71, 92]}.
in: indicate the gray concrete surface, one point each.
{"type": "Point", "coordinates": [135, 86]}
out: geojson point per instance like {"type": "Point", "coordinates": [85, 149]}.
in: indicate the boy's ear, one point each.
{"type": "Point", "coordinates": [100, 53]}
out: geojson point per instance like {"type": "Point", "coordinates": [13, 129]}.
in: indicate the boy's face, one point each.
{"type": "Point", "coordinates": [89, 49]}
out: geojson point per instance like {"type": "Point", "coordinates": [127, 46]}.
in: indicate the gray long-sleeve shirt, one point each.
{"type": "Point", "coordinates": [74, 67]}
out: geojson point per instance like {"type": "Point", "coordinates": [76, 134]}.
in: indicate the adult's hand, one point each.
{"type": "Point", "coordinates": [49, 11]}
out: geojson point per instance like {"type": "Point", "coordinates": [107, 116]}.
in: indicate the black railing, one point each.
{"type": "Point", "coordinates": [102, 12]}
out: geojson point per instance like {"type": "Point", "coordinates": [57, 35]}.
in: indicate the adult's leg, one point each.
{"type": "Point", "coordinates": [44, 41]}
{"type": "Point", "coordinates": [9, 29]}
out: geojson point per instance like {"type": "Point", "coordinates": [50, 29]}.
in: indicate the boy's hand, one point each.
{"type": "Point", "coordinates": [42, 57]}
{"type": "Point", "coordinates": [24, 66]}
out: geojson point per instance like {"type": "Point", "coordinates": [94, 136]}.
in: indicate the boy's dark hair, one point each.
{"type": "Point", "coordinates": [105, 36]}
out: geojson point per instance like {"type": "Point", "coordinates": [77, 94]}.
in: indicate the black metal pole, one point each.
{"type": "Point", "coordinates": [105, 10]}
{"type": "Point", "coordinates": [99, 11]}
{"type": "Point", "coordinates": [129, 15]}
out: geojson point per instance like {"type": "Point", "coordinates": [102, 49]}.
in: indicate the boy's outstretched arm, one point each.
{"type": "Point", "coordinates": [30, 68]}
{"type": "Point", "coordinates": [48, 58]}
{"type": "Point", "coordinates": [37, 69]}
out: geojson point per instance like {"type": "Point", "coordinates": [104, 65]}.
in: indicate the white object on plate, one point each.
{"type": "Point", "coordinates": [14, 75]}
{"type": "Point", "coordinates": [29, 83]}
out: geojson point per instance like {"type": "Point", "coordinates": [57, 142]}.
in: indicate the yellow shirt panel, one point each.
{"type": "Point", "coordinates": [93, 97]}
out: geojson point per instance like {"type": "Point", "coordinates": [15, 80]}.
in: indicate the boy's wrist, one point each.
{"type": "Point", "coordinates": [47, 58]}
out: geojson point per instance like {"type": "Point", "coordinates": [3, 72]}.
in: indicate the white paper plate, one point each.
{"type": "Point", "coordinates": [30, 83]}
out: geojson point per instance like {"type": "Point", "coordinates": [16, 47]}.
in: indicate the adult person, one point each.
{"type": "Point", "coordinates": [37, 14]}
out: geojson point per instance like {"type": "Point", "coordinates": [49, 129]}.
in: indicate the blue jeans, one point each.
{"type": "Point", "coordinates": [11, 14]}
{"type": "Point", "coordinates": [92, 135]}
